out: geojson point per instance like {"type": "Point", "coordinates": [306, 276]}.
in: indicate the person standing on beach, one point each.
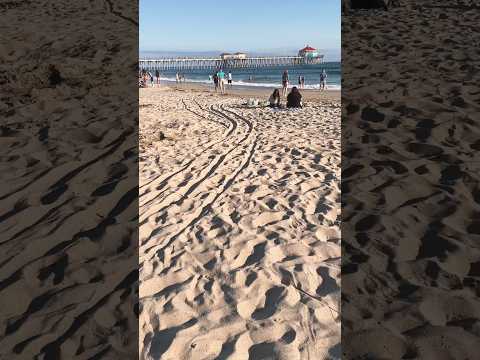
{"type": "Point", "coordinates": [284, 83]}
{"type": "Point", "coordinates": [215, 81]}
{"type": "Point", "coordinates": [151, 78]}
{"type": "Point", "coordinates": [230, 79]}
{"type": "Point", "coordinates": [177, 77]}
{"type": "Point", "coordinates": [221, 81]}
{"type": "Point", "coordinates": [157, 75]}
{"type": "Point", "coordinates": [302, 85]}
{"type": "Point", "coordinates": [323, 80]}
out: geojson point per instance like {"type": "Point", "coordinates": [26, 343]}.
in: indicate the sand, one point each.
{"type": "Point", "coordinates": [68, 180]}
{"type": "Point", "coordinates": [410, 182]}
{"type": "Point", "coordinates": [239, 228]}
{"type": "Point", "coordinates": [258, 92]}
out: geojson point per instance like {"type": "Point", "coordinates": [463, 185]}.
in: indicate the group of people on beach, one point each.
{"type": "Point", "coordinates": [145, 77]}
{"type": "Point", "coordinates": [179, 78]}
{"type": "Point", "coordinates": [294, 99]}
{"type": "Point", "coordinates": [218, 79]}
{"type": "Point", "coordinates": [301, 81]}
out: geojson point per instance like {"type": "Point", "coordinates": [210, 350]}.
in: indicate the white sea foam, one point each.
{"type": "Point", "coordinates": [253, 84]}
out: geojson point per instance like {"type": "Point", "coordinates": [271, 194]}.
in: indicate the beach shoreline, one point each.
{"type": "Point", "coordinates": [247, 91]}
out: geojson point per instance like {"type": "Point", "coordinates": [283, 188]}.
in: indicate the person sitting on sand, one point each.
{"type": "Point", "coordinates": [274, 99]}
{"type": "Point", "coordinates": [294, 99]}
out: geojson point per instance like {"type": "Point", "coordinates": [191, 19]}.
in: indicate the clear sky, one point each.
{"type": "Point", "coordinates": [239, 25]}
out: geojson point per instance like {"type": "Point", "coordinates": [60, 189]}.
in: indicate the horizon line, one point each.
{"type": "Point", "coordinates": [216, 50]}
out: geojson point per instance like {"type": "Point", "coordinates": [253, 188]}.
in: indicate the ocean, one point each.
{"type": "Point", "coordinates": [267, 77]}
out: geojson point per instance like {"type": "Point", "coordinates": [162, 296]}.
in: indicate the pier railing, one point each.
{"type": "Point", "coordinates": [217, 63]}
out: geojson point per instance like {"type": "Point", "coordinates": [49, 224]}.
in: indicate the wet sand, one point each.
{"type": "Point", "coordinates": [251, 91]}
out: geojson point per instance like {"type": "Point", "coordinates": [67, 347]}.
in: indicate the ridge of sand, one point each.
{"type": "Point", "coordinates": [239, 235]}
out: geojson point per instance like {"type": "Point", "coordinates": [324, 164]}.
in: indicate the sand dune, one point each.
{"type": "Point", "coordinates": [239, 234]}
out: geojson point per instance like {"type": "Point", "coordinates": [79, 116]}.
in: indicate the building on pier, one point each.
{"type": "Point", "coordinates": [237, 55]}
{"type": "Point", "coordinates": [308, 52]}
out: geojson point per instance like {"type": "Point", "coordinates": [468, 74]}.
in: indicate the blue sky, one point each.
{"type": "Point", "coordinates": [246, 25]}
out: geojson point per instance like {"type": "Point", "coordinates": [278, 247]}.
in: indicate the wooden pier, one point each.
{"type": "Point", "coordinates": [217, 63]}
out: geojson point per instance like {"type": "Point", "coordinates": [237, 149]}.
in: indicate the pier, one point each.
{"type": "Point", "coordinates": [306, 56]}
{"type": "Point", "coordinates": [217, 63]}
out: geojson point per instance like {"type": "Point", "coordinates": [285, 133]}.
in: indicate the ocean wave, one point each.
{"type": "Point", "coordinates": [254, 84]}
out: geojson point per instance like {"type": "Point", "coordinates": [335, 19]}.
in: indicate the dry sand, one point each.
{"type": "Point", "coordinates": [410, 182]}
{"type": "Point", "coordinates": [239, 228]}
{"type": "Point", "coordinates": [68, 188]}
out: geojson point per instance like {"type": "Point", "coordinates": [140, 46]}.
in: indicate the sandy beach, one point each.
{"type": "Point", "coordinates": [410, 182]}
{"type": "Point", "coordinates": [258, 92]}
{"type": "Point", "coordinates": [239, 226]}
{"type": "Point", "coordinates": [68, 180]}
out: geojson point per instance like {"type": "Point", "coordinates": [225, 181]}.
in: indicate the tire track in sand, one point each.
{"type": "Point", "coordinates": [209, 169]}
{"type": "Point", "coordinates": [231, 129]}
{"type": "Point", "coordinates": [210, 198]}
{"type": "Point", "coordinates": [187, 165]}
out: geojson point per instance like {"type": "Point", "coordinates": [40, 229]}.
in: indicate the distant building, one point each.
{"type": "Point", "coordinates": [237, 55]}
{"type": "Point", "coordinates": [308, 52]}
